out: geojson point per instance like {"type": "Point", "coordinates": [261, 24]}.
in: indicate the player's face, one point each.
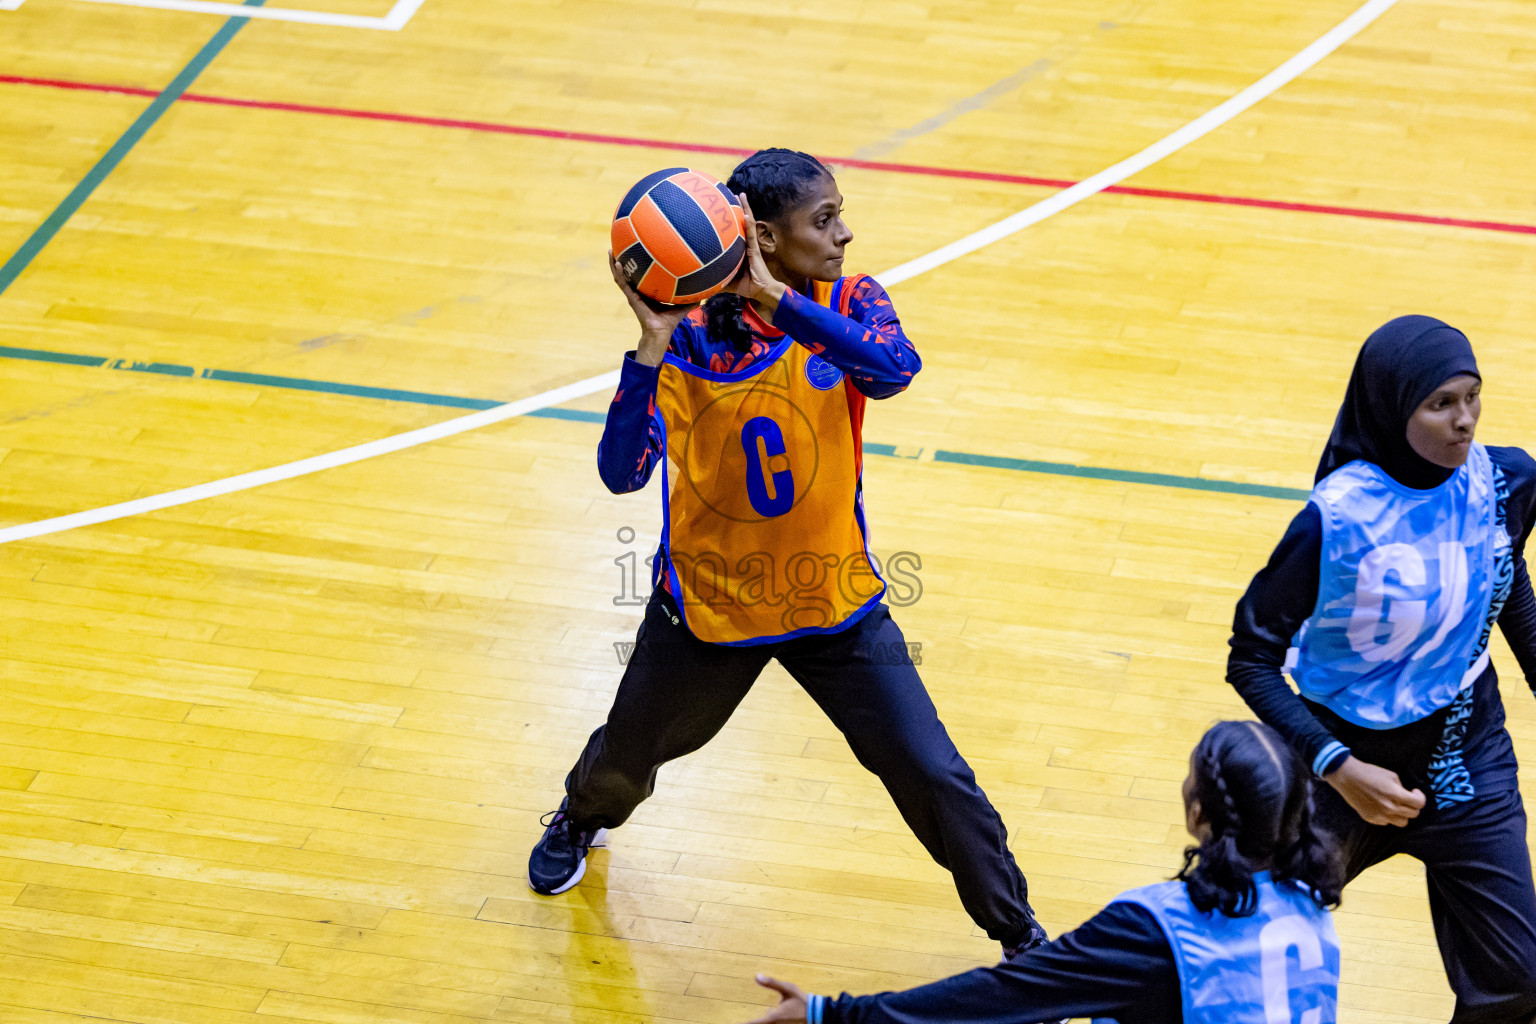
{"type": "Point", "coordinates": [811, 235]}
{"type": "Point", "coordinates": [1441, 428]}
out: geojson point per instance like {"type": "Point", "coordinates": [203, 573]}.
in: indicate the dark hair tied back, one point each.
{"type": "Point", "coordinates": [774, 180]}
{"type": "Point", "coordinates": [1257, 796]}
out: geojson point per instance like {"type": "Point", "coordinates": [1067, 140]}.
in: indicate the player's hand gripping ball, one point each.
{"type": "Point", "coordinates": [677, 236]}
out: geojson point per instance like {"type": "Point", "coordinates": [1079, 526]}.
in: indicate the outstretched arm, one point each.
{"type": "Point", "coordinates": [1117, 965]}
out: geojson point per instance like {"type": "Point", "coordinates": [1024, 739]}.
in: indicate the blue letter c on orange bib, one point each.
{"type": "Point", "coordinates": [761, 428]}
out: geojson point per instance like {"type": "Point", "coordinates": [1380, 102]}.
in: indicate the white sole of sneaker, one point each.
{"type": "Point", "coordinates": [581, 869]}
{"type": "Point", "coordinates": [599, 841]}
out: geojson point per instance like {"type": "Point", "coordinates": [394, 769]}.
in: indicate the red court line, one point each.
{"type": "Point", "coordinates": [869, 165]}
{"type": "Point", "coordinates": [59, 83]}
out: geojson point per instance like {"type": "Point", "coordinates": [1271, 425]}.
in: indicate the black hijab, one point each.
{"type": "Point", "coordinates": [1400, 365]}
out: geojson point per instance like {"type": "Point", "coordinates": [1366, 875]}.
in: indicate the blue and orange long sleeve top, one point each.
{"type": "Point", "coordinates": [868, 345]}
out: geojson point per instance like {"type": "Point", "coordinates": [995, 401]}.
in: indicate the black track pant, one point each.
{"type": "Point", "coordinates": [678, 692]}
{"type": "Point", "coordinates": [1480, 894]}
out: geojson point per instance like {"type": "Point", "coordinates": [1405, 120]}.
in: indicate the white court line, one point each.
{"type": "Point", "coordinates": [394, 21]}
{"type": "Point", "coordinates": [1198, 128]}
{"type": "Point", "coordinates": [313, 464]}
{"type": "Point", "coordinates": [1053, 204]}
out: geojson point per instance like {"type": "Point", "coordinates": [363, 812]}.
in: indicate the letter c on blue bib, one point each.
{"type": "Point", "coordinates": [761, 428]}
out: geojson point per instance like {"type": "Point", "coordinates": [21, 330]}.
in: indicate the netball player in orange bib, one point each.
{"type": "Point", "coordinates": [753, 407]}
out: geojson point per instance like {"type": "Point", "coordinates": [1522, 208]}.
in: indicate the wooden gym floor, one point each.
{"type": "Point", "coordinates": [279, 756]}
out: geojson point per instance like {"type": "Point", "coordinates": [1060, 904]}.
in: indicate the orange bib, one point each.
{"type": "Point", "coordinates": [764, 532]}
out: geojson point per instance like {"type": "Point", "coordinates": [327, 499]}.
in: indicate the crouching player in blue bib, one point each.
{"type": "Point", "coordinates": [1385, 590]}
{"type": "Point", "coordinates": [1241, 936]}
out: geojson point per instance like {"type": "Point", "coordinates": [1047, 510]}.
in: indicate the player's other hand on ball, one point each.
{"type": "Point", "coordinates": [657, 321]}
{"type": "Point", "coordinates": [791, 1008]}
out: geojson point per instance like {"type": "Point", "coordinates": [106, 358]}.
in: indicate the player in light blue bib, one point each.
{"type": "Point", "coordinates": [1381, 599]}
{"type": "Point", "coordinates": [1398, 628]}
{"type": "Point", "coordinates": [1241, 936]}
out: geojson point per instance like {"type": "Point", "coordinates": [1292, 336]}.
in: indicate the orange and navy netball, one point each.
{"type": "Point", "coordinates": [678, 236]}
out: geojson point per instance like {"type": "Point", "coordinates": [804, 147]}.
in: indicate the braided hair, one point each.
{"type": "Point", "coordinates": [774, 180]}
{"type": "Point", "coordinates": [1257, 796]}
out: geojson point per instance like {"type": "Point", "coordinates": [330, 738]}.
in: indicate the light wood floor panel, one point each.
{"type": "Point", "coordinates": [74, 41]}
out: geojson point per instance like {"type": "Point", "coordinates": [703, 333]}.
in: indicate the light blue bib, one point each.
{"type": "Point", "coordinates": [1406, 582]}
{"type": "Point", "coordinates": [1278, 966]}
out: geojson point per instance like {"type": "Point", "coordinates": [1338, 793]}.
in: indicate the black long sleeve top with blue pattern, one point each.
{"type": "Point", "coordinates": [1117, 965]}
{"type": "Point", "coordinates": [1466, 750]}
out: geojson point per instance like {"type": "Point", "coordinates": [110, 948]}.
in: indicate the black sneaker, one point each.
{"type": "Point", "coordinates": [559, 859]}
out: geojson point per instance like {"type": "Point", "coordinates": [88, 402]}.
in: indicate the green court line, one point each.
{"type": "Point", "coordinates": [24, 256]}
{"type": "Point", "coordinates": [44, 356]}
{"type": "Point", "coordinates": [168, 369]}
{"type": "Point", "coordinates": [574, 415]}
{"type": "Point", "coordinates": [355, 390]}
{"type": "Point", "coordinates": [263, 379]}
{"type": "Point", "coordinates": [1129, 476]}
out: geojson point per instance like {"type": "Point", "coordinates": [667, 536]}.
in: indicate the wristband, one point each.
{"type": "Point", "coordinates": [1330, 759]}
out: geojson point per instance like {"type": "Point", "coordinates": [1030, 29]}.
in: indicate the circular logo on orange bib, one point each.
{"type": "Point", "coordinates": [822, 374]}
